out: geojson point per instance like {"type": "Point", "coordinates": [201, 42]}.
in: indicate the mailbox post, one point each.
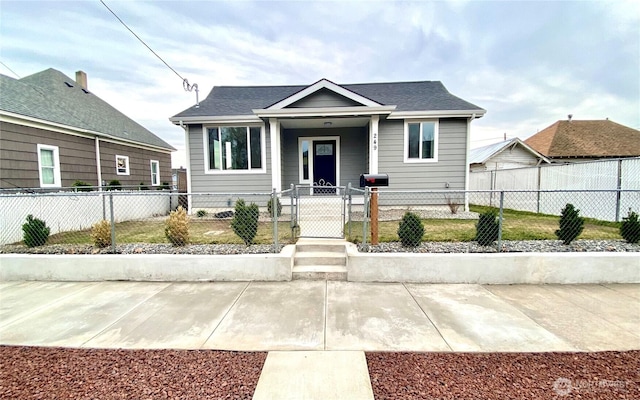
{"type": "Point", "coordinates": [374, 181]}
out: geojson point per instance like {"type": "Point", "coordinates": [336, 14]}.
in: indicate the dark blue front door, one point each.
{"type": "Point", "coordinates": [324, 165]}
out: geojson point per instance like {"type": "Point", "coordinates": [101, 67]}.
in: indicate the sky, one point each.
{"type": "Point", "coordinates": [528, 64]}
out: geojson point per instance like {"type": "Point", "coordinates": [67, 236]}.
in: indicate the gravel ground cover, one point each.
{"type": "Point", "coordinates": [63, 373]}
{"type": "Point", "coordinates": [467, 376]}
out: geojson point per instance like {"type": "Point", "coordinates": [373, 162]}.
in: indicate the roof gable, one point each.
{"type": "Point", "coordinates": [483, 154]}
{"type": "Point", "coordinates": [323, 84]}
{"type": "Point", "coordinates": [587, 139]}
{"type": "Point", "coordinates": [52, 96]}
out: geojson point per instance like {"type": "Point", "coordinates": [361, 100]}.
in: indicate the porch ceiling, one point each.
{"type": "Point", "coordinates": [308, 123]}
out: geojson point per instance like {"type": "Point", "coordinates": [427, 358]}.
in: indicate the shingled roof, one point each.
{"type": "Point", "coordinates": [52, 96]}
{"type": "Point", "coordinates": [586, 139]}
{"type": "Point", "coordinates": [407, 96]}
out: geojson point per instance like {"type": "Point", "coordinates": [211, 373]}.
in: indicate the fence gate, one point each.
{"type": "Point", "coordinates": [321, 211]}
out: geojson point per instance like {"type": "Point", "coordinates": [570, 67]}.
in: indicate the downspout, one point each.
{"type": "Point", "coordinates": [186, 140]}
{"type": "Point", "coordinates": [98, 165]}
{"type": "Point", "coordinates": [466, 170]}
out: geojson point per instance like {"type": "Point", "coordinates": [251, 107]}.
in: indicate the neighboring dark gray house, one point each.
{"type": "Point", "coordinates": [54, 131]}
{"type": "Point", "coordinates": [253, 139]}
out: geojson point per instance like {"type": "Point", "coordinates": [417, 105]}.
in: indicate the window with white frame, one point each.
{"type": "Point", "coordinates": [235, 148]}
{"type": "Point", "coordinates": [122, 165]}
{"type": "Point", "coordinates": [421, 141]}
{"type": "Point", "coordinates": [49, 165]}
{"type": "Point", "coordinates": [155, 173]}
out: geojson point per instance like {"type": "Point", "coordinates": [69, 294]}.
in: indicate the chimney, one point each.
{"type": "Point", "coordinates": [570, 115]}
{"type": "Point", "coordinates": [81, 79]}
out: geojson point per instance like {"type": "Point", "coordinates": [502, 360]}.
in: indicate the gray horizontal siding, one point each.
{"type": "Point", "coordinates": [324, 98]}
{"type": "Point", "coordinates": [353, 149]}
{"type": "Point", "coordinates": [451, 165]}
{"type": "Point", "coordinates": [224, 183]}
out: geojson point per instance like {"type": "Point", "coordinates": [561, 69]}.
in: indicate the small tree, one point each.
{"type": "Point", "coordinates": [101, 234]}
{"type": "Point", "coordinates": [35, 232]}
{"type": "Point", "coordinates": [630, 228]}
{"type": "Point", "coordinates": [487, 229]}
{"type": "Point", "coordinates": [410, 230]}
{"type": "Point", "coordinates": [177, 227]}
{"type": "Point", "coordinates": [245, 221]}
{"type": "Point", "coordinates": [571, 224]}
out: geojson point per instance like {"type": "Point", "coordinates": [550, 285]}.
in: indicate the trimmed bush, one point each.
{"type": "Point", "coordinates": [101, 234]}
{"type": "Point", "coordinates": [142, 186]}
{"type": "Point", "coordinates": [201, 213]}
{"type": "Point", "coordinates": [164, 186]}
{"type": "Point", "coordinates": [410, 230]}
{"type": "Point", "coordinates": [278, 207]}
{"type": "Point", "coordinates": [114, 185]}
{"type": "Point", "coordinates": [630, 228]}
{"type": "Point", "coordinates": [571, 224]}
{"type": "Point", "coordinates": [177, 227]}
{"type": "Point", "coordinates": [487, 229]}
{"type": "Point", "coordinates": [245, 221]}
{"type": "Point", "coordinates": [81, 186]}
{"type": "Point", "coordinates": [35, 232]}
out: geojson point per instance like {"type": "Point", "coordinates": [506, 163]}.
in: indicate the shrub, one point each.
{"type": "Point", "coordinates": [101, 234]}
{"type": "Point", "coordinates": [164, 186]}
{"type": "Point", "coordinates": [114, 185]}
{"type": "Point", "coordinates": [487, 228]}
{"type": "Point", "coordinates": [571, 225]}
{"type": "Point", "coordinates": [35, 232]}
{"type": "Point", "coordinates": [245, 221]}
{"type": "Point", "coordinates": [630, 228]}
{"type": "Point", "coordinates": [177, 227]}
{"type": "Point", "coordinates": [201, 213]}
{"type": "Point", "coordinates": [278, 207]}
{"type": "Point", "coordinates": [142, 186]}
{"type": "Point", "coordinates": [82, 186]}
{"type": "Point", "coordinates": [410, 230]}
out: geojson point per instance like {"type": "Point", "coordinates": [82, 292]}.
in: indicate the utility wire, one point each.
{"type": "Point", "coordinates": [141, 41]}
{"type": "Point", "coordinates": [12, 71]}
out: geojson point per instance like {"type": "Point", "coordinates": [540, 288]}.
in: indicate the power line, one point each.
{"type": "Point", "coordinates": [185, 83]}
{"type": "Point", "coordinates": [12, 71]}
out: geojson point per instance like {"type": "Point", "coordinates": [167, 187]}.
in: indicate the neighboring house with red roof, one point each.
{"type": "Point", "coordinates": [575, 141]}
{"type": "Point", "coordinates": [508, 154]}
{"type": "Point", "coordinates": [54, 131]}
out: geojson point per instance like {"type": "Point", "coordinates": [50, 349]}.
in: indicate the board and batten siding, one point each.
{"type": "Point", "coordinates": [353, 149]}
{"type": "Point", "coordinates": [324, 98]}
{"type": "Point", "coordinates": [19, 156]}
{"type": "Point", "coordinates": [139, 164]}
{"type": "Point", "coordinates": [450, 167]}
{"type": "Point", "coordinates": [244, 182]}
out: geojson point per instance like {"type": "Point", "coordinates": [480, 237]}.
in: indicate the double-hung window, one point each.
{"type": "Point", "coordinates": [155, 173]}
{"type": "Point", "coordinates": [235, 148]}
{"type": "Point", "coordinates": [49, 165]}
{"type": "Point", "coordinates": [421, 141]}
{"type": "Point", "coordinates": [122, 165]}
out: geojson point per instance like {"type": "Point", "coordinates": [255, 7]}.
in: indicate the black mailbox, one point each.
{"type": "Point", "coordinates": [374, 180]}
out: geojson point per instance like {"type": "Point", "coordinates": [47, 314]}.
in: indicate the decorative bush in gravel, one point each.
{"type": "Point", "coordinates": [177, 227]}
{"type": "Point", "coordinates": [571, 224]}
{"type": "Point", "coordinates": [101, 234]}
{"type": "Point", "coordinates": [410, 230]}
{"type": "Point", "coordinates": [487, 228]}
{"type": "Point", "coordinates": [35, 232]}
{"type": "Point", "coordinates": [245, 221]}
{"type": "Point", "coordinates": [278, 207]}
{"type": "Point", "coordinates": [630, 228]}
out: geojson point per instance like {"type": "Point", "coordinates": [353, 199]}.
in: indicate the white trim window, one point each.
{"type": "Point", "coordinates": [49, 166]}
{"type": "Point", "coordinates": [122, 165]}
{"type": "Point", "coordinates": [421, 141]}
{"type": "Point", "coordinates": [155, 173]}
{"type": "Point", "coordinates": [234, 149]}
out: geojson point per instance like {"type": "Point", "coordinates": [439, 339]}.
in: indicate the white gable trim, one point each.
{"type": "Point", "coordinates": [437, 114]}
{"type": "Point", "coordinates": [323, 84]}
{"type": "Point", "coordinates": [324, 111]}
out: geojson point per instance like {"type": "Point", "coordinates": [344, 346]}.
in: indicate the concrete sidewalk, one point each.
{"type": "Point", "coordinates": [339, 319]}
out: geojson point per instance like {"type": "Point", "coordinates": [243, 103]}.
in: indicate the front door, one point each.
{"type": "Point", "coordinates": [324, 166]}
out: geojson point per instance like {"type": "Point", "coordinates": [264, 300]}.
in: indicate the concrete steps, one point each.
{"type": "Point", "coordinates": [320, 259]}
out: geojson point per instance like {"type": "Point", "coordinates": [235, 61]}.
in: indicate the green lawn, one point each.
{"type": "Point", "coordinates": [517, 225]}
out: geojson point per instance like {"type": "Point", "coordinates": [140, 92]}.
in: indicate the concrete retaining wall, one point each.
{"type": "Point", "coordinates": [519, 268]}
{"type": "Point", "coordinates": [152, 267]}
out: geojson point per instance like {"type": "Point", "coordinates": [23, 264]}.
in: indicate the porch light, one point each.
{"type": "Point", "coordinates": [327, 124]}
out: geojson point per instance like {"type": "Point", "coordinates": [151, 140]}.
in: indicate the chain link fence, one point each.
{"type": "Point", "coordinates": [105, 219]}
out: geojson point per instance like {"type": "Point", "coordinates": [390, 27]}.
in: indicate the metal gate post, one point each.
{"type": "Point", "coordinates": [274, 219]}
{"type": "Point", "coordinates": [500, 222]}
{"type": "Point", "coordinates": [113, 225]}
{"type": "Point", "coordinates": [348, 194]}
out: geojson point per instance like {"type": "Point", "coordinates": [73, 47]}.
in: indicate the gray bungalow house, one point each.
{"type": "Point", "coordinates": [255, 138]}
{"type": "Point", "coordinates": [54, 131]}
